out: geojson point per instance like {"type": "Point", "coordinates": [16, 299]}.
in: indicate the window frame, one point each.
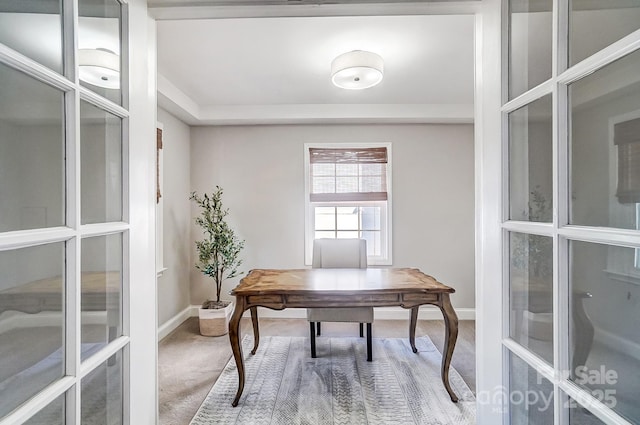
{"type": "Point", "coordinates": [386, 211]}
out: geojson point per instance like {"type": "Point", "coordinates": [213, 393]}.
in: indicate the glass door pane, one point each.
{"type": "Point", "coordinates": [32, 304]}
{"type": "Point", "coordinates": [99, 47]}
{"type": "Point", "coordinates": [33, 28]}
{"type": "Point", "coordinates": [101, 165]}
{"type": "Point", "coordinates": [614, 19]}
{"type": "Point", "coordinates": [604, 319]}
{"type": "Point", "coordinates": [101, 292]}
{"type": "Point", "coordinates": [531, 293]}
{"type": "Point", "coordinates": [102, 392]}
{"type": "Point", "coordinates": [531, 161]}
{"type": "Point", "coordinates": [530, 395]}
{"type": "Point", "coordinates": [529, 44]}
{"type": "Point", "coordinates": [605, 146]}
{"type": "Point", "coordinates": [32, 153]}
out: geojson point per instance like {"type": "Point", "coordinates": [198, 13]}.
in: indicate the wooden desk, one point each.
{"type": "Point", "coordinates": [308, 288]}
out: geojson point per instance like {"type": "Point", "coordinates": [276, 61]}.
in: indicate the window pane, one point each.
{"type": "Point", "coordinates": [99, 47]}
{"type": "Point", "coordinates": [320, 235]}
{"type": "Point", "coordinates": [374, 244]}
{"type": "Point", "coordinates": [531, 293]}
{"type": "Point", "coordinates": [322, 169]}
{"type": "Point", "coordinates": [346, 184]}
{"type": "Point", "coordinates": [613, 19]}
{"type": "Point", "coordinates": [101, 289]}
{"type": "Point", "coordinates": [31, 307]}
{"type": "Point", "coordinates": [346, 169]}
{"type": "Point", "coordinates": [325, 218]}
{"type": "Point", "coordinates": [370, 218]}
{"type": "Point", "coordinates": [529, 44]}
{"type": "Point", "coordinates": [33, 28]}
{"type": "Point", "coordinates": [52, 414]}
{"type": "Point", "coordinates": [324, 185]}
{"type": "Point", "coordinates": [605, 146]}
{"type": "Point", "coordinates": [604, 289]}
{"type": "Point", "coordinates": [31, 153]}
{"type": "Point", "coordinates": [101, 394]}
{"type": "Point", "coordinates": [530, 162]}
{"type": "Point", "coordinates": [530, 395]}
{"type": "Point", "coordinates": [347, 218]}
{"type": "Point", "coordinates": [101, 156]}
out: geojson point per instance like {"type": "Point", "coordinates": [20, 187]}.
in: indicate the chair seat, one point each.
{"type": "Point", "coordinates": [338, 314]}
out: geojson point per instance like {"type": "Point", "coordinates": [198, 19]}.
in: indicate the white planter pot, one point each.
{"type": "Point", "coordinates": [215, 322]}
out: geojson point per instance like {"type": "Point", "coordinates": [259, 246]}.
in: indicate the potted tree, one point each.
{"type": "Point", "coordinates": [218, 258]}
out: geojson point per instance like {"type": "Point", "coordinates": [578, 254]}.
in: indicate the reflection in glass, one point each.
{"type": "Point", "coordinates": [531, 293]}
{"type": "Point", "coordinates": [101, 165]}
{"type": "Point", "coordinates": [605, 146]}
{"type": "Point", "coordinates": [31, 153]}
{"type": "Point", "coordinates": [101, 393]}
{"type": "Point", "coordinates": [530, 395]}
{"type": "Point", "coordinates": [99, 47]}
{"type": "Point", "coordinates": [529, 44]}
{"type": "Point", "coordinates": [578, 415]}
{"type": "Point", "coordinates": [101, 292]}
{"type": "Point", "coordinates": [52, 414]}
{"type": "Point", "coordinates": [613, 19]}
{"type": "Point", "coordinates": [604, 317]}
{"type": "Point", "coordinates": [32, 307]}
{"type": "Point", "coordinates": [33, 28]}
{"type": "Point", "coordinates": [530, 162]}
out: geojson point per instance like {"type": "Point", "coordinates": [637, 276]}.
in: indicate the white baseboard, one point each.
{"type": "Point", "coordinates": [167, 327]}
{"type": "Point", "coordinates": [617, 343]}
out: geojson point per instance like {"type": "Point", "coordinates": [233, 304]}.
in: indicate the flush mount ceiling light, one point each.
{"type": "Point", "coordinates": [99, 67]}
{"type": "Point", "coordinates": [357, 70]}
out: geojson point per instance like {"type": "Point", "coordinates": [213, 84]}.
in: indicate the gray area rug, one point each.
{"type": "Point", "coordinates": [284, 385]}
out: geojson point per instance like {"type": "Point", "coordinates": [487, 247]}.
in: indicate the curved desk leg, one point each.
{"type": "Point", "coordinates": [234, 334]}
{"type": "Point", "coordinates": [583, 331]}
{"type": "Point", "coordinates": [451, 329]}
{"type": "Point", "coordinates": [412, 328]}
{"type": "Point", "coordinates": [256, 330]}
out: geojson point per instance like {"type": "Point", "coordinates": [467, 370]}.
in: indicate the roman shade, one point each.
{"type": "Point", "coordinates": [626, 136]}
{"type": "Point", "coordinates": [348, 174]}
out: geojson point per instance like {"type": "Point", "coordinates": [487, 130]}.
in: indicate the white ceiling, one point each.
{"type": "Point", "coordinates": [266, 70]}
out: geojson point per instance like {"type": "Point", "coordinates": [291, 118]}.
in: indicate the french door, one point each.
{"type": "Point", "coordinates": [571, 216]}
{"type": "Point", "coordinates": [66, 232]}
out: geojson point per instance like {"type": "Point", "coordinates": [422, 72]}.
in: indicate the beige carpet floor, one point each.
{"type": "Point", "coordinates": [189, 363]}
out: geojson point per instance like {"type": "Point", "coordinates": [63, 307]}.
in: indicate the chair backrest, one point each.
{"type": "Point", "coordinates": [339, 253]}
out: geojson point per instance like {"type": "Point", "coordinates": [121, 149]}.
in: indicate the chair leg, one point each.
{"type": "Point", "coordinates": [312, 338]}
{"type": "Point", "coordinates": [369, 340]}
{"type": "Point", "coordinates": [361, 330]}
{"type": "Point", "coordinates": [318, 328]}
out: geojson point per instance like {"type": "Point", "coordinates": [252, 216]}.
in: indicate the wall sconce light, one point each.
{"type": "Point", "coordinates": [99, 67]}
{"type": "Point", "coordinates": [357, 70]}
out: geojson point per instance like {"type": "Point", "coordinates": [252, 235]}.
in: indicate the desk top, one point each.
{"type": "Point", "coordinates": [340, 281]}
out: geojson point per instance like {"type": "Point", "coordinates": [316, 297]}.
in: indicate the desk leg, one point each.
{"type": "Point", "coordinates": [412, 328]}
{"type": "Point", "coordinates": [256, 330]}
{"type": "Point", "coordinates": [234, 334]}
{"type": "Point", "coordinates": [451, 329]}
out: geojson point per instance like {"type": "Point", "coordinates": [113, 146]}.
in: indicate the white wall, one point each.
{"type": "Point", "coordinates": [173, 285]}
{"type": "Point", "coordinates": [261, 170]}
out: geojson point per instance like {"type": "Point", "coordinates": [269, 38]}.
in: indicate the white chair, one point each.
{"type": "Point", "coordinates": [339, 254]}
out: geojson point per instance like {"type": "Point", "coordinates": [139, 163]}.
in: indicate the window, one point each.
{"type": "Point", "coordinates": [347, 195]}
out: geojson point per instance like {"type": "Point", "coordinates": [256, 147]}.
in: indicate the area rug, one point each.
{"type": "Point", "coordinates": [284, 385]}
